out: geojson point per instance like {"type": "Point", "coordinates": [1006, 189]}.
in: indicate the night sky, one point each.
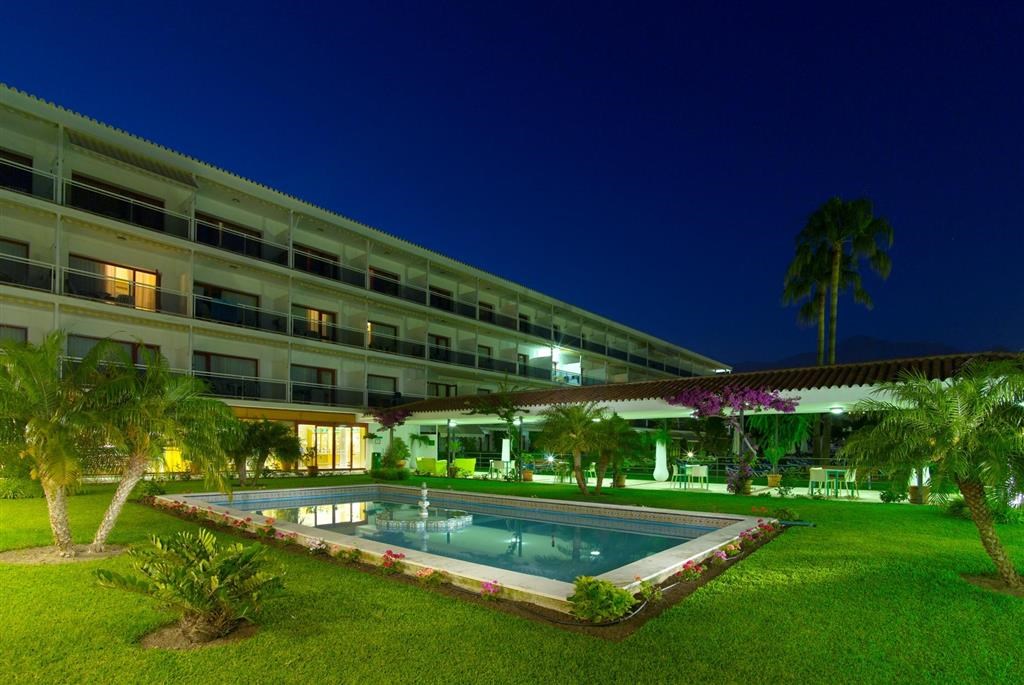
{"type": "Point", "coordinates": [651, 165]}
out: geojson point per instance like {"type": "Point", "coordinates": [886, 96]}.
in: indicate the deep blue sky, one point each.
{"type": "Point", "coordinates": [651, 164]}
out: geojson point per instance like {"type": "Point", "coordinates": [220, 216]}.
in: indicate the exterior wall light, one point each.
{"type": "Point", "coordinates": [837, 410]}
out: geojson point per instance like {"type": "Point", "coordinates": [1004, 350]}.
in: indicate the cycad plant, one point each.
{"type": "Point", "coordinates": [264, 439]}
{"type": "Point", "coordinates": [572, 429]}
{"type": "Point", "coordinates": [213, 588]}
{"type": "Point", "coordinates": [49, 417]}
{"type": "Point", "coordinates": [970, 431]}
{"type": "Point", "coordinates": [616, 441]}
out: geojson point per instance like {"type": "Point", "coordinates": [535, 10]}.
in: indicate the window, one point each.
{"type": "Point", "coordinates": [384, 281]}
{"type": "Point", "coordinates": [140, 353]}
{"type": "Point", "coordinates": [442, 390]}
{"type": "Point", "coordinates": [215, 292]}
{"type": "Point", "coordinates": [313, 322]}
{"type": "Point", "coordinates": [14, 270]}
{"type": "Point", "coordinates": [14, 177]}
{"type": "Point", "coordinates": [117, 190]}
{"type": "Point", "coordinates": [486, 311]}
{"type": "Point", "coordinates": [384, 330]}
{"type": "Point", "coordinates": [312, 374]}
{"type": "Point", "coordinates": [213, 231]}
{"type": "Point", "coordinates": [124, 285]}
{"type": "Point", "coordinates": [522, 360]}
{"type": "Point", "coordinates": [385, 385]}
{"type": "Point", "coordinates": [441, 341]}
{"type": "Point", "coordinates": [441, 298]}
{"type": "Point", "coordinates": [315, 261]}
{"type": "Point", "coordinates": [15, 333]}
{"type": "Point", "coordinates": [557, 329]}
{"type": "Point", "coordinates": [484, 351]}
{"type": "Point", "coordinates": [227, 225]}
{"type": "Point", "coordinates": [524, 318]}
{"type": "Point", "coordinates": [208, 362]}
{"type": "Point", "coordinates": [15, 157]}
{"type": "Point", "coordinates": [483, 391]}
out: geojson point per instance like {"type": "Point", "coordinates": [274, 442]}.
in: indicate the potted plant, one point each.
{"type": "Point", "coordinates": [309, 459]}
{"type": "Point", "coordinates": [778, 435]}
{"type": "Point", "coordinates": [738, 482]}
{"type": "Point", "coordinates": [619, 467]}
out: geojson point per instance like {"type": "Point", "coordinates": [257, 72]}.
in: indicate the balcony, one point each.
{"type": "Point", "coordinates": [618, 354]}
{"type": "Point", "coordinates": [327, 268]}
{"type": "Point", "coordinates": [447, 304]}
{"type": "Point", "coordinates": [534, 329]}
{"type": "Point", "coordinates": [123, 293]}
{"type": "Point", "coordinates": [408, 348]}
{"type": "Point", "coordinates": [86, 197]}
{"type": "Point", "coordinates": [541, 373]}
{"type": "Point", "coordinates": [566, 377]}
{"type": "Point", "coordinates": [657, 366]}
{"type": "Point", "coordinates": [26, 273]}
{"type": "Point", "coordinates": [325, 332]}
{"type": "Point", "coordinates": [499, 365]}
{"type": "Point", "coordinates": [243, 387]}
{"type": "Point", "coordinates": [388, 286]}
{"type": "Point", "coordinates": [568, 340]}
{"type": "Point", "coordinates": [590, 380]}
{"type": "Point", "coordinates": [447, 355]}
{"type": "Point", "coordinates": [594, 347]}
{"type": "Point", "coordinates": [307, 393]}
{"type": "Point", "coordinates": [240, 243]}
{"type": "Point", "coordinates": [637, 359]}
{"type": "Point", "coordinates": [508, 322]}
{"type": "Point", "coordinates": [235, 314]}
{"type": "Point", "coordinates": [389, 399]}
{"type": "Point", "coordinates": [25, 179]}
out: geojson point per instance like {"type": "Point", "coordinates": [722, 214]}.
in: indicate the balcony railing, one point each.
{"type": "Point", "coordinates": [327, 268]}
{"type": "Point", "coordinates": [499, 365]}
{"type": "Point", "coordinates": [26, 273]}
{"type": "Point", "coordinates": [236, 314]}
{"type": "Point", "coordinates": [447, 355]}
{"type": "Point", "coordinates": [618, 354]}
{"type": "Point", "coordinates": [243, 387]}
{"type": "Point", "coordinates": [386, 343]}
{"type": "Point", "coordinates": [325, 332]}
{"type": "Point", "coordinates": [590, 380]}
{"type": "Point", "coordinates": [637, 359]}
{"type": "Point", "coordinates": [331, 396]}
{"type": "Point", "coordinates": [240, 243]}
{"type": "Point", "coordinates": [567, 377]}
{"type": "Point", "coordinates": [594, 347]}
{"type": "Point", "coordinates": [389, 399]}
{"type": "Point", "coordinates": [508, 322]}
{"type": "Point", "coordinates": [24, 179]}
{"type": "Point", "coordinates": [539, 372]}
{"type": "Point", "coordinates": [123, 293]}
{"type": "Point", "coordinates": [448, 304]}
{"type": "Point", "coordinates": [568, 340]}
{"type": "Point", "coordinates": [393, 288]}
{"type": "Point", "coordinates": [91, 199]}
{"type": "Point", "coordinates": [657, 366]}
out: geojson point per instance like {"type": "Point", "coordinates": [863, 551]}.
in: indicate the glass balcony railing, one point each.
{"type": "Point", "coordinates": [447, 304]}
{"type": "Point", "coordinates": [389, 399]}
{"type": "Point", "coordinates": [568, 340]}
{"type": "Point", "coordinates": [534, 329]}
{"type": "Point", "coordinates": [508, 322]}
{"type": "Point", "coordinates": [590, 380]}
{"type": "Point", "coordinates": [325, 332]}
{"type": "Point", "coordinates": [618, 354]}
{"type": "Point", "coordinates": [327, 268]}
{"type": "Point", "coordinates": [538, 372]}
{"type": "Point", "coordinates": [447, 355]}
{"type": "Point", "coordinates": [594, 347]}
{"type": "Point", "coordinates": [393, 288]}
{"type": "Point", "coordinates": [408, 348]}
{"type": "Point", "coordinates": [308, 393]}
{"type": "Point", "coordinates": [637, 359]}
{"type": "Point", "coordinates": [123, 293]}
{"type": "Point", "coordinates": [657, 366]}
{"type": "Point", "coordinates": [499, 365]}
{"type": "Point", "coordinates": [235, 314]}
{"type": "Point", "coordinates": [567, 377]}
{"type": "Point", "coordinates": [240, 243]}
{"type": "Point", "coordinates": [24, 179]}
{"type": "Point", "coordinates": [86, 197]}
{"type": "Point", "coordinates": [26, 273]}
{"type": "Point", "coordinates": [244, 388]}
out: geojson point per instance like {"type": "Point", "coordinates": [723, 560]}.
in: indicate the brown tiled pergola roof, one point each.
{"type": "Point", "coordinates": [803, 378]}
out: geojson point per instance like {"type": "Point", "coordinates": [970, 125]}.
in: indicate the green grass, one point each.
{"type": "Point", "coordinates": [872, 594]}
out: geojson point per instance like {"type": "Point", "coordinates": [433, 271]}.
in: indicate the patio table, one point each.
{"type": "Point", "coordinates": [833, 474]}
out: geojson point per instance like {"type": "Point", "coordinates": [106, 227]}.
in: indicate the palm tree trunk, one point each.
{"type": "Point", "coordinates": [57, 507]}
{"type": "Point", "coordinates": [819, 424]}
{"type": "Point", "coordinates": [577, 469]}
{"type": "Point", "coordinates": [833, 312]}
{"type": "Point", "coordinates": [132, 475]}
{"type": "Point", "coordinates": [240, 464]}
{"type": "Point", "coordinates": [974, 496]}
{"type": "Point", "coordinates": [602, 466]}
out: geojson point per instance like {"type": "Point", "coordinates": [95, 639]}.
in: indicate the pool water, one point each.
{"type": "Point", "coordinates": [539, 543]}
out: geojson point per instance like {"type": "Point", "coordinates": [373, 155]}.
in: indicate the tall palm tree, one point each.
{"type": "Point", "coordinates": [970, 430]}
{"type": "Point", "coordinates": [616, 440]}
{"type": "Point", "coordinates": [846, 232]}
{"type": "Point", "coordinates": [49, 417]}
{"type": "Point", "coordinates": [151, 409]}
{"type": "Point", "coordinates": [572, 429]}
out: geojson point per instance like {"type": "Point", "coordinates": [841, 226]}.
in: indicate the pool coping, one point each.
{"type": "Point", "coordinates": [538, 590]}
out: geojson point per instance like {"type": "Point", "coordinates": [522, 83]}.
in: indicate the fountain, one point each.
{"type": "Point", "coordinates": [401, 519]}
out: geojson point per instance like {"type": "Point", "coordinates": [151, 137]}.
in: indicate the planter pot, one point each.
{"type": "Point", "coordinates": [400, 463]}
{"type": "Point", "coordinates": [774, 480]}
{"type": "Point", "coordinates": [746, 487]}
{"type": "Point", "coordinates": [619, 481]}
{"type": "Point", "coordinates": [527, 475]}
{"type": "Point", "coordinates": [919, 495]}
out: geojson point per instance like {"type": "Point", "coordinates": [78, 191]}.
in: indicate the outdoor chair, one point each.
{"type": "Point", "coordinates": [679, 476]}
{"type": "Point", "coordinates": [465, 467]}
{"type": "Point", "coordinates": [590, 471]}
{"type": "Point", "coordinates": [698, 475]}
{"type": "Point", "coordinates": [426, 465]}
{"type": "Point", "coordinates": [850, 482]}
{"type": "Point", "coordinates": [819, 480]}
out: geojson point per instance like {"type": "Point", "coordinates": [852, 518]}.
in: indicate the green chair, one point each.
{"type": "Point", "coordinates": [679, 476]}
{"type": "Point", "coordinates": [849, 482]}
{"type": "Point", "coordinates": [426, 465]}
{"type": "Point", "coordinates": [465, 467]}
{"type": "Point", "coordinates": [590, 471]}
{"type": "Point", "coordinates": [441, 469]}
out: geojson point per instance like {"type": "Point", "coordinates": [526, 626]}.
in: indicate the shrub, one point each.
{"type": "Point", "coordinates": [213, 588]}
{"type": "Point", "coordinates": [391, 562]}
{"type": "Point", "coordinates": [737, 481]}
{"type": "Point", "coordinates": [431, 576]}
{"type": "Point", "coordinates": [891, 496]}
{"type": "Point", "coordinates": [599, 601]}
{"type": "Point", "coordinates": [717, 558]}
{"type": "Point", "coordinates": [1001, 511]}
{"type": "Point", "coordinates": [389, 473]}
{"type": "Point", "coordinates": [649, 592]}
{"type": "Point", "coordinates": [350, 556]}
{"type": "Point", "coordinates": [317, 546]}
{"type": "Point", "coordinates": [732, 550]}
{"type": "Point", "coordinates": [490, 589]}
{"type": "Point", "coordinates": [785, 514]}
{"type": "Point", "coordinates": [152, 488]}
{"type": "Point", "coordinates": [690, 572]}
{"type": "Point", "coordinates": [19, 488]}
{"type": "Point", "coordinates": [396, 452]}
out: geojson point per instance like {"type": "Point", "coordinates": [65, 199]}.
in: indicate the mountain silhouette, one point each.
{"type": "Point", "coordinates": [860, 348]}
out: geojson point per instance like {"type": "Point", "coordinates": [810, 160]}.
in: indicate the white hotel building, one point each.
{"type": "Point", "coordinates": [287, 310]}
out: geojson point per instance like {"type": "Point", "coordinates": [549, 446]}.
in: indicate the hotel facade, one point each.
{"type": "Point", "coordinates": [288, 311]}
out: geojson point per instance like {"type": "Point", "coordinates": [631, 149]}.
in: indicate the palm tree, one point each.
{"type": "Point", "coordinates": [844, 232]}
{"type": "Point", "coordinates": [616, 441]}
{"type": "Point", "coordinates": [151, 409]}
{"type": "Point", "coordinates": [572, 429]}
{"type": "Point", "coordinates": [50, 419]}
{"type": "Point", "coordinates": [970, 430]}
{"type": "Point", "coordinates": [265, 438]}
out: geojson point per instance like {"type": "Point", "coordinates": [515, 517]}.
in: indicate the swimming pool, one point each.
{"type": "Point", "coordinates": [534, 547]}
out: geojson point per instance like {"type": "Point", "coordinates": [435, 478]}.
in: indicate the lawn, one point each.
{"type": "Point", "coordinates": [871, 594]}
